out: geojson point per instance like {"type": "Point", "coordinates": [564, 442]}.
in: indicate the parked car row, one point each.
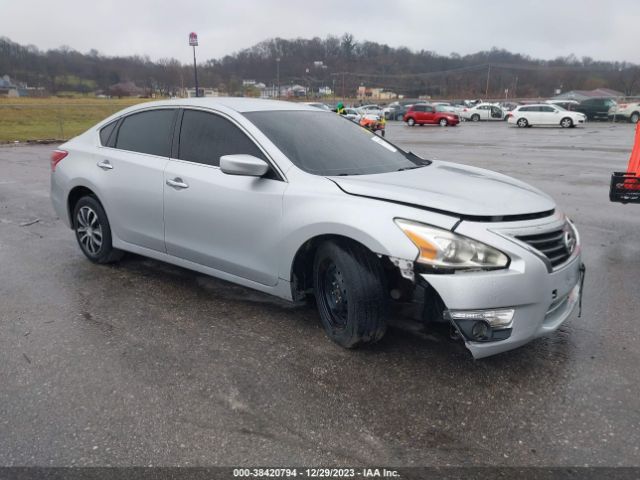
{"type": "Point", "coordinates": [564, 113]}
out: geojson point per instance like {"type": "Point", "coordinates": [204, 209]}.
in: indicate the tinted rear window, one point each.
{"type": "Point", "coordinates": [147, 132]}
{"type": "Point", "coordinates": [105, 132]}
{"type": "Point", "coordinates": [326, 144]}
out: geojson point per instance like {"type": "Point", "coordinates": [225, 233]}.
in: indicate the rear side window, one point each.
{"type": "Point", "coordinates": [205, 137]}
{"type": "Point", "coordinates": [106, 131]}
{"type": "Point", "coordinates": [147, 132]}
{"type": "Point", "coordinates": [419, 108]}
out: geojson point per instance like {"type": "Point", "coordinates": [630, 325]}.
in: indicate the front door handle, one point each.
{"type": "Point", "coordinates": [177, 183]}
{"type": "Point", "coordinates": [105, 165]}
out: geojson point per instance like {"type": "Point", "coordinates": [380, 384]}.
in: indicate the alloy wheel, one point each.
{"type": "Point", "coordinates": [89, 230]}
{"type": "Point", "coordinates": [566, 123]}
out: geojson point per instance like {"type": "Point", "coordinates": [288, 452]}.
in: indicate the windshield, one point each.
{"type": "Point", "coordinates": [326, 144]}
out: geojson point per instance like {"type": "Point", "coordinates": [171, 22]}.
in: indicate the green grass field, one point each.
{"type": "Point", "coordinates": [25, 119]}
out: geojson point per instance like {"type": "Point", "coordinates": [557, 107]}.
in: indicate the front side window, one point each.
{"type": "Point", "coordinates": [419, 108]}
{"type": "Point", "coordinates": [429, 109]}
{"type": "Point", "coordinates": [325, 144]}
{"type": "Point", "coordinates": [147, 132]}
{"type": "Point", "coordinates": [205, 137]}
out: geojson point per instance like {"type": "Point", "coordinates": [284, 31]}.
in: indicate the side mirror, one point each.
{"type": "Point", "coordinates": [246, 165]}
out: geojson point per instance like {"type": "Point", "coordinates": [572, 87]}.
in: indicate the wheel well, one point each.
{"type": "Point", "coordinates": [302, 269]}
{"type": "Point", "coordinates": [76, 194]}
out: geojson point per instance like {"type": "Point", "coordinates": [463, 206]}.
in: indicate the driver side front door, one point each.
{"type": "Point", "coordinates": [227, 222]}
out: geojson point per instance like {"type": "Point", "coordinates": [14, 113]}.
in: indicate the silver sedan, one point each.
{"type": "Point", "coordinates": [297, 202]}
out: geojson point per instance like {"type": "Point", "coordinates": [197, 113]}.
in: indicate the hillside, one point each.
{"type": "Point", "coordinates": [346, 64]}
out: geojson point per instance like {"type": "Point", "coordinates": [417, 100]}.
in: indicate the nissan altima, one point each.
{"type": "Point", "coordinates": [298, 202]}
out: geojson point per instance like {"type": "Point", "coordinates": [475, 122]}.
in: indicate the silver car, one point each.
{"type": "Point", "coordinates": [297, 202]}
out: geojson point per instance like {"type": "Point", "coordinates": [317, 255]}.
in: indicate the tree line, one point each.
{"type": "Point", "coordinates": [345, 64]}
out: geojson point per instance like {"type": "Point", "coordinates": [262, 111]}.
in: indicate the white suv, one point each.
{"type": "Point", "coordinates": [629, 111]}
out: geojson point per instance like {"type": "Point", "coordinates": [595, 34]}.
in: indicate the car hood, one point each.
{"type": "Point", "coordinates": [451, 188]}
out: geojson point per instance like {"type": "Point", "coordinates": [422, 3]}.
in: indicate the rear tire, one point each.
{"type": "Point", "coordinates": [522, 123]}
{"type": "Point", "coordinates": [348, 283]}
{"type": "Point", "coordinates": [475, 117]}
{"type": "Point", "coordinates": [566, 122]}
{"type": "Point", "coordinates": [93, 231]}
{"type": "Point", "coordinates": [411, 122]}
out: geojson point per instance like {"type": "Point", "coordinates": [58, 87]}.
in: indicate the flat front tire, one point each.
{"type": "Point", "coordinates": [93, 231]}
{"type": "Point", "coordinates": [349, 287]}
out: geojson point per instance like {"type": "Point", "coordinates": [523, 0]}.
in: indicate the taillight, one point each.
{"type": "Point", "coordinates": [56, 157]}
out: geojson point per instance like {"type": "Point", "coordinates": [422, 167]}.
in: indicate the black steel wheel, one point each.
{"type": "Point", "coordinates": [349, 287]}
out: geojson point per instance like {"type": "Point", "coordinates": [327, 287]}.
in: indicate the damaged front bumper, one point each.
{"type": "Point", "coordinates": [501, 310]}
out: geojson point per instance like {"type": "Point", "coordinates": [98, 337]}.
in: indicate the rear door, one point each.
{"type": "Point", "coordinates": [483, 110]}
{"type": "Point", "coordinates": [132, 176]}
{"type": "Point", "coordinates": [429, 114]}
{"type": "Point", "coordinates": [549, 115]}
{"type": "Point", "coordinates": [228, 222]}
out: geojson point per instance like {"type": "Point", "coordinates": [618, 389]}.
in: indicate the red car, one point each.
{"type": "Point", "coordinates": [422, 114]}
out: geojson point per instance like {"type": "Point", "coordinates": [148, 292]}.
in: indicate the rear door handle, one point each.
{"type": "Point", "coordinates": [105, 165]}
{"type": "Point", "coordinates": [177, 183]}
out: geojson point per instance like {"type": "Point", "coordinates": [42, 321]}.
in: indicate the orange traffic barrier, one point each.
{"type": "Point", "coordinates": [625, 186]}
{"type": "Point", "coordinates": [634, 160]}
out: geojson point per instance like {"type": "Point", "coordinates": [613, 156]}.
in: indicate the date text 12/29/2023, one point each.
{"type": "Point", "coordinates": [315, 473]}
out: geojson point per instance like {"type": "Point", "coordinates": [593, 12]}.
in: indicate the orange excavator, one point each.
{"type": "Point", "coordinates": [625, 186]}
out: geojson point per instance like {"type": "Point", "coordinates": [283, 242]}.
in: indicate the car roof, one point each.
{"type": "Point", "coordinates": [239, 104]}
{"type": "Point", "coordinates": [537, 105]}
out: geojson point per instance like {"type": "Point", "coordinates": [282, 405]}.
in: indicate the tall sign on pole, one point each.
{"type": "Point", "coordinates": [193, 42]}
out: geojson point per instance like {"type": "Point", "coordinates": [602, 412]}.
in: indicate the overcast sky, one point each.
{"type": "Point", "coordinates": [606, 30]}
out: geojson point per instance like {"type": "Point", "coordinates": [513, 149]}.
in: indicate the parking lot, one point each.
{"type": "Point", "coordinates": [142, 363]}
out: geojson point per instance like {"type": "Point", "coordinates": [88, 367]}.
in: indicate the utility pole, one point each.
{"type": "Point", "coordinates": [486, 92]}
{"type": "Point", "coordinates": [278, 75]}
{"type": "Point", "coordinates": [193, 41]}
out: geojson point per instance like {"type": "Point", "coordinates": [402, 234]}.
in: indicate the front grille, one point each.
{"type": "Point", "coordinates": [551, 244]}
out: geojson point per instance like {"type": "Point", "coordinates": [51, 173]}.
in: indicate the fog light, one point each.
{"type": "Point", "coordinates": [495, 318]}
{"type": "Point", "coordinates": [480, 331]}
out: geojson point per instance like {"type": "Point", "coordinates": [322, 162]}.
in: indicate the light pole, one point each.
{"type": "Point", "coordinates": [278, 76]}
{"type": "Point", "coordinates": [193, 41]}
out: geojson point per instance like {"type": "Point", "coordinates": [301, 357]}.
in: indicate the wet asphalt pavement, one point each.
{"type": "Point", "coordinates": [143, 363]}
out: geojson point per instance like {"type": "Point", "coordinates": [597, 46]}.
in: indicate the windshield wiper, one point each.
{"type": "Point", "coordinates": [416, 159]}
{"type": "Point", "coordinates": [409, 168]}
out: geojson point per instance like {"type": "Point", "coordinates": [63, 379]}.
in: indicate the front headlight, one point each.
{"type": "Point", "coordinates": [446, 250]}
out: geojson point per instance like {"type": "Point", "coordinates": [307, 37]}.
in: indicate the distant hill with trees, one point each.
{"type": "Point", "coordinates": [341, 63]}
